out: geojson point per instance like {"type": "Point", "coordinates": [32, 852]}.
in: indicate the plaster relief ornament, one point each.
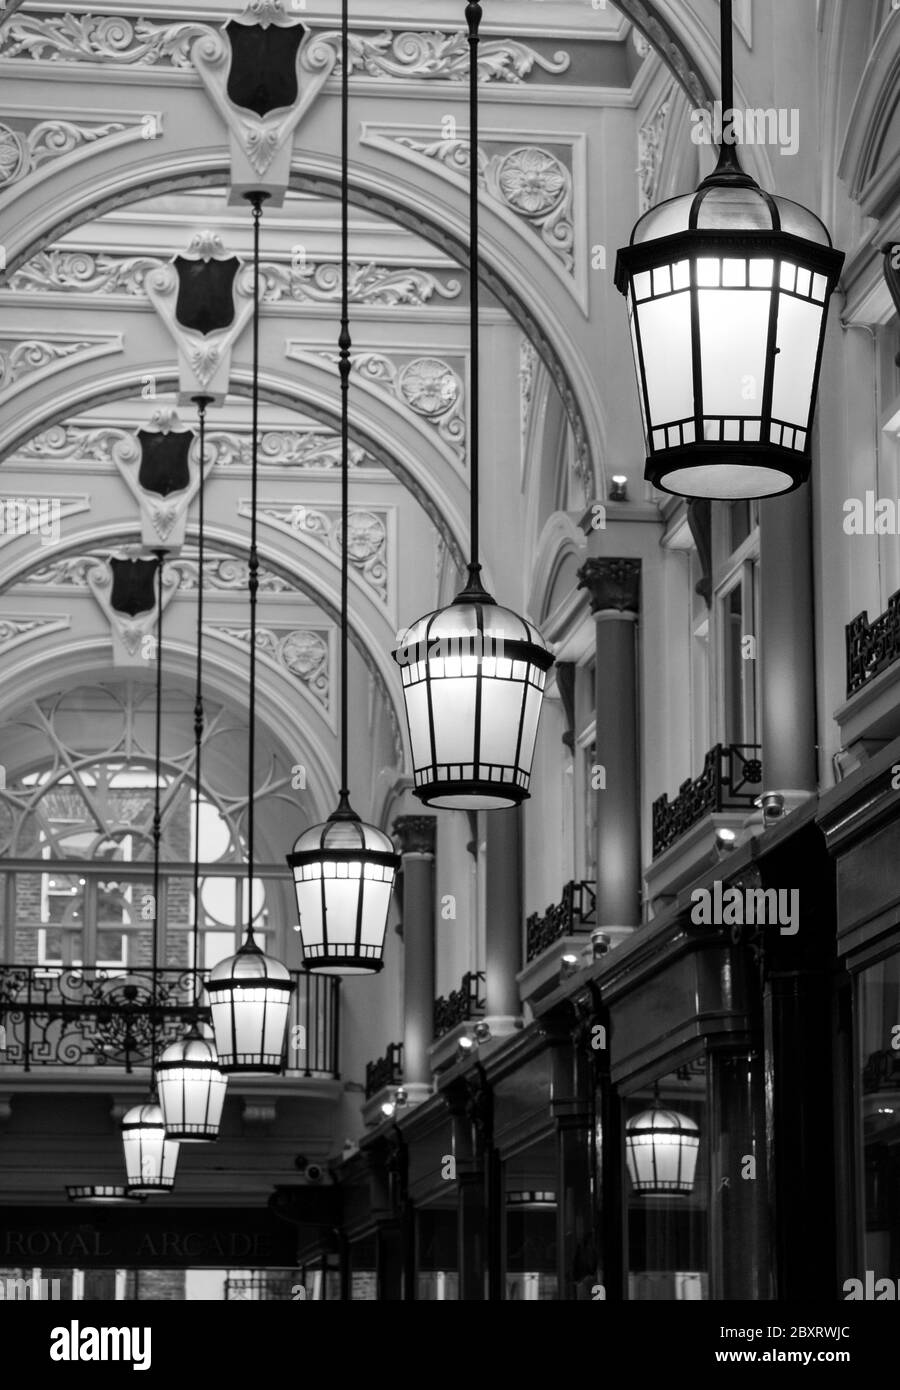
{"type": "Point", "coordinates": [132, 633]}
{"type": "Point", "coordinates": [160, 466]}
{"type": "Point", "coordinates": [205, 305]}
{"type": "Point", "coordinates": [262, 72]}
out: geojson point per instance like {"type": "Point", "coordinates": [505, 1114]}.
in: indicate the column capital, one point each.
{"type": "Point", "coordinates": [415, 834]}
{"type": "Point", "coordinates": [612, 584]}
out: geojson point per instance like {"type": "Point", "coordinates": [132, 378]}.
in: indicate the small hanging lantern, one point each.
{"type": "Point", "coordinates": [150, 1157]}
{"type": "Point", "coordinates": [191, 1088]}
{"type": "Point", "coordinates": [344, 875]}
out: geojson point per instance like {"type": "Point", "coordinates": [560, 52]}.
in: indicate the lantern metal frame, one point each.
{"type": "Point", "coordinates": [103, 1194]}
{"type": "Point", "coordinates": [752, 242]}
{"type": "Point", "coordinates": [450, 642]}
{"type": "Point", "coordinates": [322, 858]}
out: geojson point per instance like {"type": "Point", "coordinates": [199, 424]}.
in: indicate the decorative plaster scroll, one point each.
{"type": "Point", "coordinates": [316, 448]}
{"type": "Point", "coordinates": [529, 180]}
{"type": "Point", "coordinates": [82, 272]}
{"type": "Point", "coordinates": [650, 142]}
{"type": "Point", "coordinates": [220, 571]}
{"type": "Point", "coordinates": [307, 281]}
{"type": "Point", "coordinates": [73, 442]}
{"type": "Point", "coordinates": [19, 358]}
{"type": "Point", "coordinates": [14, 631]}
{"type": "Point", "coordinates": [429, 386]}
{"type": "Point", "coordinates": [23, 151]}
{"type": "Point", "coordinates": [304, 652]}
{"type": "Point", "coordinates": [112, 40]}
{"type": "Point", "coordinates": [434, 56]}
{"type": "Point", "coordinates": [367, 540]}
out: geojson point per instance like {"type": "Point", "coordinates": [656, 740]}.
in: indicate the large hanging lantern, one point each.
{"type": "Point", "coordinates": [150, 1156]}
{"type": "Point", "coordinates": [727, 291]}
{"type": "Point", "coordinates": [191, 1088]}
{"type": "Point", "coordinates": [473, 673]}
{"type": "Point", "coordinates": [661, 1148]}
{"type": "Point", "coordinates": [343, 876]}
{"type": "Point", "coordinates": [249, 997]}
{"type": "Point", "coordinates": [473, 680]}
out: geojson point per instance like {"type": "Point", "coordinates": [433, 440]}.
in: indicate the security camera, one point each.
{"type": "Point", "coordinates": [314, 1172]}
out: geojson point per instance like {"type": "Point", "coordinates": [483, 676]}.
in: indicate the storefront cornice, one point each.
{"type": "Point", "coordinates": [864, 799]}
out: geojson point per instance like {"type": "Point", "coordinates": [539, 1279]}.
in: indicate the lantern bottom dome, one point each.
{"type": "Point", "coordinates": [727, 474]}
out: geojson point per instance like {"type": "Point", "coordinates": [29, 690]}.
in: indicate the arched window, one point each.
{"type": "Point", "coordinates": [76, 834]}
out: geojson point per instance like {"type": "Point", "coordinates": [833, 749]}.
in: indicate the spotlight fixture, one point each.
{"type": "Point", "coordinates": [726, 287]}
{"type": "Point", "coordinates": [387, 1109]}
{"type": "Point", "coordinates": [725, 841]}
{"type": "Point", "coordinates": [400, 1096]}
{"type": "Point", "coordinates": [568, 965]}
{"type": "Point", "coordinates": [618, 488]}
{"type": "Point", "coordinates": [344, 870]}
{"type": "Point", "coordinates": [249, 992]}
{"type": "Point", "coordinates": [771, 804]}
{"type": "Point", "coordinates": [482, 1031]}
{"type": "Point", "coordinates": [473, 673]}
{"type": "Point", "coordinates": [465, 1047]}
{"type": "Point", "coordinates": [600, 943]}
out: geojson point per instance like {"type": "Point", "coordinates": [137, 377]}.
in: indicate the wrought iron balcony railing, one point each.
{"type": "Point", "coordinates": [386, 1071]}
{"type": "Point", "coordinates": [92, 1016]}
{"type": "Point", "coordinates": [577, 910]}
{"type": "Point", "coordinates": [872, 647]}
{"type": "Point", "coordinates": [730, 781]}
{"type": "Point", "coordinates": [459, 1004]}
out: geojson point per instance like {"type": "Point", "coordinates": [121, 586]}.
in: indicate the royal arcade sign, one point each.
{"type": "Point", "coordinates": [52, 1237]}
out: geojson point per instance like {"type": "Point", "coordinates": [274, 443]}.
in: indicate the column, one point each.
{"type": "Point", "coordinates": [787, 666]}
{"type": "Point", "coordinates": [614, 590]}
{"type": "Point", "coordinates": [503, 920]}
{"type": "Point", "coordinates": [415, 836]}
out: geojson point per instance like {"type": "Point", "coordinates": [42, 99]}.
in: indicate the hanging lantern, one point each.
{"type": "Point", "coordinates": [661, 1147]}
{"type": "Point", "coordinates": [150, 1157]}
{"type": "Point", "coordinates": [249, 996]}
{"type": "Point", "coordinates": [473, 681]}
{"type": "Point", "coordinates": [343, 876]}
{"type": "Point", "coordinates": [191, 1088]}
{"type": "Point", "coordinates": [727, 291]}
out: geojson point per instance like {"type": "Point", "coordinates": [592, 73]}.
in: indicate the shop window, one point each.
{"type": "Point", "coordinates": [363, 1271]}
{"type": "Point", "coordinates": [437, 1271]}
{"type": "Point", "coordinates": [878, 1011]}
{"type": "Point", "coordinates": [667, 1187]}
{"type": "Point", "coordinates": [735, 608]}
{"type": "Point", "coordinates": [529, 1224]}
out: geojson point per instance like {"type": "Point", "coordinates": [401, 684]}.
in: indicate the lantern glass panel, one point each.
{"type": "Point", "coordinates": [733, 364]}
{"type": "Point", "coordinates": [799, 326]}
{"type": "Point", "coordinates": [665, 328]}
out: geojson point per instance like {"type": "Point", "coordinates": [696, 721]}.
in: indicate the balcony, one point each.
{"type": "Point", "coordinates": [459, 1005]}
{"type": "Point", "coordinates": [730, 781]}
{"type": "Point", "coordinates": [870, 717]}
{"type": "Point", "coordinates": [386, 1071]}
{"type": "Point", "coordinates": [576, 911]}
{"type": "Point", "coordinates": [95, 1017]}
